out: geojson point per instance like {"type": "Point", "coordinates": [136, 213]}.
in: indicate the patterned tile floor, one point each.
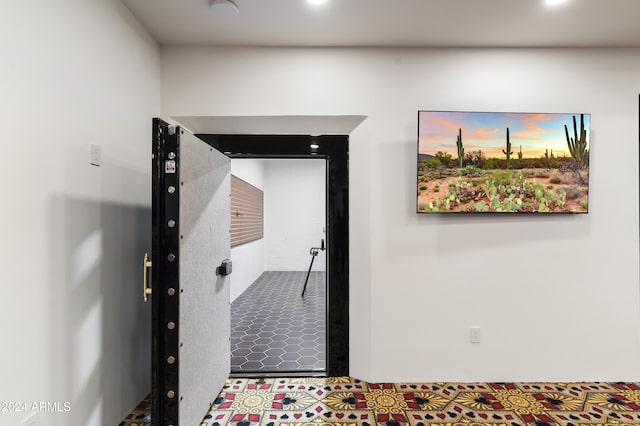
{"type": "Point", "coordinates": [273, 328]}
{"type": "Point", "coordinates": [344, 401]}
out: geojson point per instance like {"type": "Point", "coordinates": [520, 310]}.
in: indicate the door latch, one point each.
{"type": "Point", "coordinates": [146, 290]}
{"type": "Point", "coordinates": [225, 268]}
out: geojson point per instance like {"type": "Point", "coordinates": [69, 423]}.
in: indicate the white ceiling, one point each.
{"type": "Point", "coordinates": [396, 23]}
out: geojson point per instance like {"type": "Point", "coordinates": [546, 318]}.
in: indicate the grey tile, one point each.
{"type": "Point", "coordinates": [290, 356]}
{"type": "Point", "coordinates": [278, 344]}
{"type": "Point", "coordinates": [238, 360]}
{"type": "Point", "coordinates": [308, 352]}
{"type": "Point", "coordinates": [307, 360]}
{"type": "Point", "coordinates": [252, 365]}
{"type": "Point", "coordinates": [271, 360]}
{"type": "Point", "coordinates": [262, 348]}
{"type": "Point", "coordinates": [310, 344]}
{"type": "Point", "coordinates": [274, 352]}
{"type": "Point", "coordinates": [281, 330]}
{"type": "Point", "coordinates": [292, 348]}
{"type": "Point", "coordinates": [255, 356]}
{"type": "Point", "coordinates": [241, 352]}
{"type": "Point", "coordinates": [289, 365]}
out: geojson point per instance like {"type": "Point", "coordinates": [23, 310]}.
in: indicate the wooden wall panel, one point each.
{"type": "Point", "coordinates": [247, 212]}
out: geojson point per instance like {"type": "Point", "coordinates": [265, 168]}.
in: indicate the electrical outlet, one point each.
{"type": "Point", "coordinates": [96, 155]}
{"type": "Point", "coordinates": [475, 335]}
{"type": "Point", "coordinates": [32, 420]}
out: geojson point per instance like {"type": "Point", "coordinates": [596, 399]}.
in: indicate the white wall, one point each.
{"type": "Point", "coordinates": [248, 259]}
{"type": "Point", "coordinates": [294, 214]}
{"type": "Point", "coordinates": [555, 296]}
{"type": "Point", "coordinates": [72, 320]}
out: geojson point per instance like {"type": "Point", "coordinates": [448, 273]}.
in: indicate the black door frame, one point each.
{"type": "Point", "coordinates": [335, 149]}
{"type": "Point", "coordinates": [164, 375]}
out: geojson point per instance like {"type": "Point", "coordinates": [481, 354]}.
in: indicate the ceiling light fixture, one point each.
{"type": "Point", "coordinates": [314, 146]}
{"type": "Point", "coordinates": [553, 3]}
{"type": "Point", "coordinates": [316, 2]}
{"type": "Point", "coordinates": [225, 8]}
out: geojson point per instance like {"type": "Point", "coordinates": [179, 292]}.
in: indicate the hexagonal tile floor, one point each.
{"type": "Point", "coordinates": [274, 329]}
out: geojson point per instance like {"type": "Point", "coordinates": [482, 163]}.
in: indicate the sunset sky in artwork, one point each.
{"type": "Point", "coordinates": [487, 131]}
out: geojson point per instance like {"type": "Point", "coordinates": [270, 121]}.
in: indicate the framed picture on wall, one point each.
{"type": "Point", "coordinates": [502, 162]}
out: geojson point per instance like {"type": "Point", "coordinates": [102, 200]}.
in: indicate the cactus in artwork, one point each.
{"type": "Point", "coordinates": [546, 153]}
{"type": "Point", "coordinates": [508, 151]}
{"type": "Point", "coordinates": [460, 147]}
{"type": "Point", "coordinates": [577, 145]}
{"type": "Point", "coordinates": [551, 155]}
{"type": "Point", "coordinates": [520, 153]}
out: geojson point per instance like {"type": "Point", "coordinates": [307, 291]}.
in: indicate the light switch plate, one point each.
{"type": "Point", "coordinates": [476, 337]}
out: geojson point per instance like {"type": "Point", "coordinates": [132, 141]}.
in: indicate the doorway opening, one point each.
{"type": "Point", "coordinates": [333, 149]}
{"type": "Point", "coordinates": [278, 291]}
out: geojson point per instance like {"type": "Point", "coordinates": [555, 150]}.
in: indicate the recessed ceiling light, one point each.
{"type": "Point", "coordinates": [555, 2]}
{"type": "Point", "coordinates": [314, 146]}
{"type": "Point", "coordinates": [316, 2]}
{"type": "Point", "coordinates": [225, 8]}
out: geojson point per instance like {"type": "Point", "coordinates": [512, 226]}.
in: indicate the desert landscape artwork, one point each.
{"type": "Point", "coordinates": [500, 162]}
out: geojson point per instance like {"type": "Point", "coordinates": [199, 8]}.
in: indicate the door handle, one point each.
{"type": "Point", "coordinates": [146, 290]}
{"type": "Point", "coordinates": [225, 268]}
